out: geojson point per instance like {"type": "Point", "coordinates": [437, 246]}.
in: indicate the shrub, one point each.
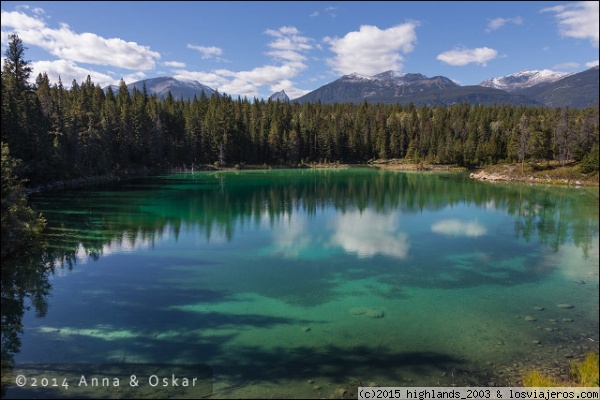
{"type": "Point", "coordinates": [589, 163]}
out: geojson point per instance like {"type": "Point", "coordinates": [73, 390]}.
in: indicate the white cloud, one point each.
{"type": "Point", "coordinates": [460, 57]}
{"type": "Point", "coordinates": [240, 87]}
{"type": "Point", "coordinates": [578, 20]}
{"type": "Point", "coordinates": [455, 227]}
{"type": "Point", "coordinates": [134, 77]}
{"type": "Point", "coordinates": [247, 83]}
{"type": "Point", "coordinates": [591, 64]}
{"type": "Point", "coordinates": [265, 75]}
{"type": "Point", "coordinates": [498, 23]}
{"type": "Point", "coordinates": [210, 79]}
{"type": "Point", "coordinates": [287, 48]}
{"type": "Point", "coordinates": [174, 64]}
{"type": "Point", "coordinates": [79, 47]}
{"type": "Point", "coordinates": [368, 234]}
{"type": "Point", "coordinates": [289, 87]}
{"type": "Point", "coordinates": [69, 71]}
{"type": "Point", "coordinates": [210, 52]}
{"type": "Point", "coordinates": [21, 21]}
{"type": "Point", "coordinates": [329, 10]}
{"type": "Point", "coordinates": [38, 11]}
{"type": "Point", "coordinates": [371, 50]}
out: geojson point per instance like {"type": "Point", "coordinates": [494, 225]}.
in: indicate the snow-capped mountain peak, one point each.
{"type": "Point", "coordinates": [356, 77]}
{"type": "Point", "coordinates": [161, 86]}
{"type": "Point", "coordinates": [524, 79]}
{"type": "Point", "coordinates": [389, 75]}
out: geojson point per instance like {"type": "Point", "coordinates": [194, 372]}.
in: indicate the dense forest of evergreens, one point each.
{"type": "Point", "coordinates": [83, 131]}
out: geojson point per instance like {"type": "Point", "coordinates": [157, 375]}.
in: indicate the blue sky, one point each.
{"type": "Point", "coordinates": [254, 49]}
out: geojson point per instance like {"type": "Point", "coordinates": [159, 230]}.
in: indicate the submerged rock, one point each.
{"type": "Point", "coordinates": [375, 313]}
{"type": "Point", "coordinates": [358, 310]}
{"type": "Point", "coordinates": [566, 306]}
{"type": "Point", "coordinates": [369, 312]}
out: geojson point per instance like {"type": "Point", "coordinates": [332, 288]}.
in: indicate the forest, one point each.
{"type": "Point", "coordinates": [52, 133]}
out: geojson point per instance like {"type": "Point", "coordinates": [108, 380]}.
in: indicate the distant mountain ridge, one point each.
{"type": "Point", "coordinates": [543, 88]}
{"type": "Point", "coordinates": [392, 87]}
{"type": "Point", "coordinates": [179, 88]}
{"type": "Point", "coordinates": [385, 87]}
{"type": "Point", "coordinates": [525, 88]}
{"type": "Point", "coordinates": [575, 90]}
{"type": "Point", "coordinates": [524, 79]}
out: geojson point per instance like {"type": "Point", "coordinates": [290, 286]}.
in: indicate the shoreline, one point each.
{"type": "Point", "coordinates": [496, 177]}
{"type": "Point", "coordinates": [534, 174]}
{"type": "Point", "coordinates": [117, 176]}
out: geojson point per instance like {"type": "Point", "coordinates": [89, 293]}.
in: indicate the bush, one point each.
{"type": "Point", "coordinates": [589, 163]}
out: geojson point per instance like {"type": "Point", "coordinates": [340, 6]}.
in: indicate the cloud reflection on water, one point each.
{"type": "Point", "coordinates": [368, 233]}
{"type": "Point", "coordinates": [456, 227]}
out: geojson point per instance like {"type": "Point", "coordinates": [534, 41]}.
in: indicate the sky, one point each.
{"type": "Point", "coordinates": [254, 49]}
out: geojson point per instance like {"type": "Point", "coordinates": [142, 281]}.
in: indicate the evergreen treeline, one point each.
{"type": "Point", "coordinates": [84, 131]}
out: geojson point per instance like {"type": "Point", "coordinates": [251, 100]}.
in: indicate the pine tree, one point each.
{"type": "Point", "coordinates": [16, 100]}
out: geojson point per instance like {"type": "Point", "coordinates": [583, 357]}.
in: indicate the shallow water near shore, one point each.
{"type": "Point", "coordinates": [309, 283]}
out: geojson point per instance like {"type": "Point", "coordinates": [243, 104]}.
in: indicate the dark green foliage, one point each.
{"type": "Point", "coordinates": [20, 224]}
{"type": "Point", "coordinates": [590, 161]}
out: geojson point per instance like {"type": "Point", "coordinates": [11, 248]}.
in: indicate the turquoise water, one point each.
{"type": "Point", "coordinates": [297, 283]}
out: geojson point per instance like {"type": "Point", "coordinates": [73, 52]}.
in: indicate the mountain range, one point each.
{"type": "Point", "coordinates": [543, 88]}
{"type": "Point", "coordinates": [161, 87]}
{"type": "Point", "coordinates": [525, 88]}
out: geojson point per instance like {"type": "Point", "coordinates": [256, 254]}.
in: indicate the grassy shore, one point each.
{"type": "Point", "coordinates": [550, 173]}
{"type": "Point", "coordinates": [544, 173]}
{"type": "Point", "coordinates": [409, 165]}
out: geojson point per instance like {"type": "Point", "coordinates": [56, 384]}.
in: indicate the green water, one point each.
{"type": "Point", "coordinates": [296, 283]}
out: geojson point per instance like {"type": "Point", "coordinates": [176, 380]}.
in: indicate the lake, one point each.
{"type": "Point", "coordinates": [311, 282]}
